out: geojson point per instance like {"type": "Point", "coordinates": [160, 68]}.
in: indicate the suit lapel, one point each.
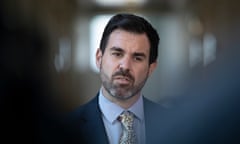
{"type": "Point", "coordinates": [153, 113]}
{"type": "Point", "coordinates": [94, 122]}
{"type": "Point", "coordinates": [90, 125]}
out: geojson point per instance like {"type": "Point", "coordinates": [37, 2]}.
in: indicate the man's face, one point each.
{"type": "Point", "coordinates": [124, 66]}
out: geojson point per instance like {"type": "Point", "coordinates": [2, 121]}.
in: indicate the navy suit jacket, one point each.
{"type": "Point", "coordinates": [85, 124]}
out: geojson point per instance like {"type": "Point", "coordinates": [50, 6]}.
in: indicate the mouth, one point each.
{"type": "Point", "coordinates": [123, 80]}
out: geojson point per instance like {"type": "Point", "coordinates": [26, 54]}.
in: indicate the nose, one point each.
{"type": "Point", "coordinates": [125, 63]}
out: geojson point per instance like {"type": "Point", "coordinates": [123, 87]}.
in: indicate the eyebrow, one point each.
{"type": "Point", "coordinates": [134, 54]}
{"type": "Point", "coordinates": [116, 49]}
{"type": "Point", "coordinates": [140, 54]}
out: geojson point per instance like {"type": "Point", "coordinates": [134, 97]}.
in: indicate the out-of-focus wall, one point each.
{"type": "Point", "coordinates": [65, 25]}
{"type": "Point", "coordinates": [186, 28]}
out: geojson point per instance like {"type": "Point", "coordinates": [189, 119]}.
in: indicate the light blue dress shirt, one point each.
{"type": "Point", "coordinates": [110, 112]}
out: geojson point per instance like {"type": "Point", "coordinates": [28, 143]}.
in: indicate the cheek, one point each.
{"type": "Point", "coordinates": [141, 74]}
{"type": "Point", "coordinates": [108, 67]}
{"type": "Point", "coordinates": [144, 74]}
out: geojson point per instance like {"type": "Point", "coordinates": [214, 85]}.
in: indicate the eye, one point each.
{"type": "Point", "coordinates": [117, 54]}
{"type": "Point", "coordinates": [138, 58]}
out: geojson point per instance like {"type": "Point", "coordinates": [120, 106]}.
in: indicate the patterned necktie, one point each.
{"type": "Point", "coordinates": [128, 135]}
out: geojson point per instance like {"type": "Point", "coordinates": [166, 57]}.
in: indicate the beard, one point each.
{"type": "Point", "coordinates": [121, 91]}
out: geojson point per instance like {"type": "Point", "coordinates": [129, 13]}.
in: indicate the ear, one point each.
{"type": "Point", "coordinates": [152, 68]}
{"type": "Point", "coordinates": [98, 58]}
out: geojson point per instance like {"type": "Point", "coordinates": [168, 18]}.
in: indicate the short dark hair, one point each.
{"type": "Point", "coordinates": [135, 24]}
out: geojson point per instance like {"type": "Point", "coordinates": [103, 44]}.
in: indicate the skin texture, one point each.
{"type": "Point", "coordinates": [124, 66]}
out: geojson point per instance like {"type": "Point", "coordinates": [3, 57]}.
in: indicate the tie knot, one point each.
{"type": "Point", "coordinates": [126, 118]}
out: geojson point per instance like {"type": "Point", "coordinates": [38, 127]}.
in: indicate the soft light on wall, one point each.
{"type": "Point", "coordinates": [111, 3]}
{"type": "Point", "coordinates": [96, 29]}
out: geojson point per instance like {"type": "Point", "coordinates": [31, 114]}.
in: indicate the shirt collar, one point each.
{"type": "Point", "coordinates": [111, 110]}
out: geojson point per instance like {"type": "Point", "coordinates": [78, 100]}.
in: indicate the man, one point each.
{"type": "Point", "coordinates": [126, 58]}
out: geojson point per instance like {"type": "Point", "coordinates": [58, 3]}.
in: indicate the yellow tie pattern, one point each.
{"type": "Point", "coordinates": [128, 135]}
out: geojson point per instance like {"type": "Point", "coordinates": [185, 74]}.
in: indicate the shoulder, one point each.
{"type": "Point", "coordinates": [83, 111]}
{"type": "Point", "coordinates": [152, 105]}
{"type": "Point", "coordinates": [155, 115]}
{"type": "Point", "coordinates": [154, 111]}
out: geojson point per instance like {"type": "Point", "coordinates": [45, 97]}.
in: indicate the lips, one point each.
{"type": "Point", "coordinates": [122, 79]}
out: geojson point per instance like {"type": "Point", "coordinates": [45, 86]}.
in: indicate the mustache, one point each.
{"type": "Point", "coordinates": [124, 73]}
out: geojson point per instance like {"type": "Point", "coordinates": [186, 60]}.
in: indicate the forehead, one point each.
{"type": "Point", "coordinates": [129, 41]}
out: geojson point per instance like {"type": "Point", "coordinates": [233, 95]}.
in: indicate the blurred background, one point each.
{"type": "Point", "coordinates": [48, 48]}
